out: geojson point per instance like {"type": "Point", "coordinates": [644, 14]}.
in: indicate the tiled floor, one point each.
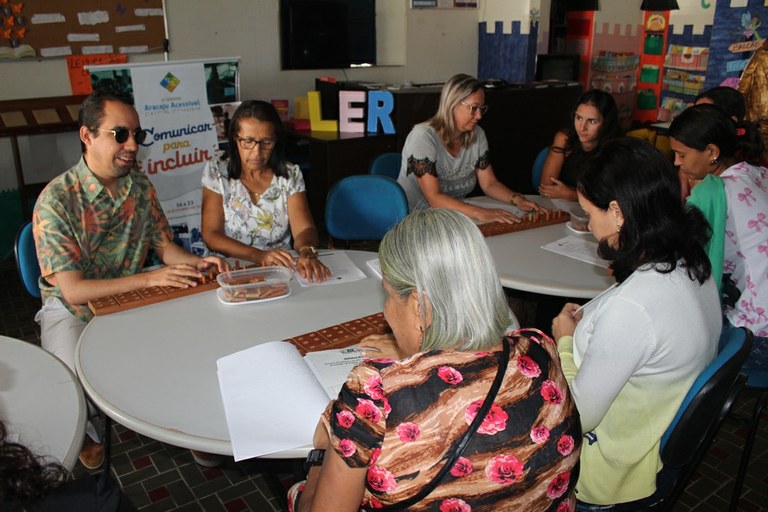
{"type": "Point", "coordinates": [160, 477]}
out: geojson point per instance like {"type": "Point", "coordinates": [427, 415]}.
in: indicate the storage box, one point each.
{"type": "Point", "coordinates": [649, 74]}
{"type": "Point", "coordinates": [654, 44]}
{"type": "Point", "coordinates": [254, 285]}
{"type": "Point", "coordinates": [646, 100]}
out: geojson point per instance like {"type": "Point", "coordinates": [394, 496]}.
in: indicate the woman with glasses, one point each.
{"type": "Point", "coordinates": [254, 202]}
{"type": "Point", "coordinates": [446, 156]}
{"type": "Point", "coordinates": [594, 121]}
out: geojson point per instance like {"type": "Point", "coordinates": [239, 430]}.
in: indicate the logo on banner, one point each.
{"type": "Point", "coordinates": [170, 82]}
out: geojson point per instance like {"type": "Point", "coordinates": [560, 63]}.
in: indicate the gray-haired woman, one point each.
{"type": "Point", "coordinates": [399, 418]}
{"type": "Point", "coordinates": [445, 157]}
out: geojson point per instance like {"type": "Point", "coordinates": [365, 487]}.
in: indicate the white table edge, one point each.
{"type": "Point", "coordinates": [183, 440]}
{"type": "Point", "coordinates": [73, 453]}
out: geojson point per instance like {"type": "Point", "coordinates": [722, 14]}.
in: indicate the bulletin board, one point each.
{"type": "Point", "coordinates": [56, 28]}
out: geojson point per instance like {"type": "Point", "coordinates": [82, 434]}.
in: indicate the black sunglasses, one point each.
{"type": "Point", "coordinates": [122, 134]}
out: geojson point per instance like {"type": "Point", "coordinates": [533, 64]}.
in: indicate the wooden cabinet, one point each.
{"type": "Point", "coordinates": [36, 116]}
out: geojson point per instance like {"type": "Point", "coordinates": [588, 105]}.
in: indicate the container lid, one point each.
{"type": "Point", "coordinates": [254, 276]}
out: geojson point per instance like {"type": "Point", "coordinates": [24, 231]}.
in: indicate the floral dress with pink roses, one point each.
{"type": "Point", "coordinates": [403, 419]}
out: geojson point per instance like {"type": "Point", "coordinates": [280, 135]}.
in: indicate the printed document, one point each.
{"type": "Point", "coordinates": [343, 270]}
{"type": "Point", "coordinates": [273, 398]}
{"type": "Point", "coordinates": [577, 247]}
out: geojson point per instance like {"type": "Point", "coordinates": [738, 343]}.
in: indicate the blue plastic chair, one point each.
{"type": "Point", "coordinates": [698, 418]}
{"type": "Point", "coordinates": [26, 260]}
{"type": "Point", "coordinates": [538, 166]}
{"type": "Point", "coordinates": [386, 164]}
{"type": "Point", "coordinates": [364, 207]}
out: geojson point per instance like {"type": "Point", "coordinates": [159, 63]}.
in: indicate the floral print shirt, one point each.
{"type": "Point", "coordinates": [403, 419]}
{"type": "Point", "coordinates": [425, 153]}
{"type": "Point", "coordinates": [263, 225]}
{"type": "Point", "coordinates": [78, 225]}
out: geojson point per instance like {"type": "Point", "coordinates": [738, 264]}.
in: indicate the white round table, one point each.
{"type": "Point", "coordinates": [41, 401]}
{"type": "Point", "coordinates": [153, 369]}
{"type": "Point", "coordinates": [523, 265]}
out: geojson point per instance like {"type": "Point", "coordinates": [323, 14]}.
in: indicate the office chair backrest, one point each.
{"type": "Point", "coordinates": [364, 207]}
{"type": "Point", "coordinates": [538, 166]}
{"type": "Point", "coordinates": [26, 260]}
{"type": "Point", "coordinates": [706, 398]}
{"type": "Point", "coordinates": [703, 409]}
{"type": "Point", "coordinates": [386, 164]}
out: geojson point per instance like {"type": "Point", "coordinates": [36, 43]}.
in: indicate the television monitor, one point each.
{"type": "Point", "coordinates": [552, 66]}
{"type": "Point", "coordinates": [327, 34]}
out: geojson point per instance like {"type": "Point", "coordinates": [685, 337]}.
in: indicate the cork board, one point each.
{"type": "Point", "coordinates": [52, 28]}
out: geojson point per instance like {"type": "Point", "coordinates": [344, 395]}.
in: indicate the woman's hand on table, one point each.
{"type": "Point", "coordinates": [312, 269]}
{"type": "Point", "coordinates": [277, 257]}
{"type": "Point", "coordinates": [486, 215]}
{"type": "Point", "coordinates": [556, 189]}
{"type": "Point", "coordinates": [210, 262]}
{"type": "Point", "coordinates": [565, 323]}
{"type": "Point", "coordinates": [380, 346]}
{"type": "Point", "coordinates": [528, 206]}
{"type": "Point", "coordinates": [181, 275]}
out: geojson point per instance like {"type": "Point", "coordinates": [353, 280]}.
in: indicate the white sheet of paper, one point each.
{"type": "Point", "coordinates": [375, 265]}
{"type": "Point", "coordinates": [331, 367]}
{"type": "Point", "coordinates": [578, 248]}
{"type": "Point", "coordinates": [343, 270]}
{"type": "Point", "coordinates": [272, 400]}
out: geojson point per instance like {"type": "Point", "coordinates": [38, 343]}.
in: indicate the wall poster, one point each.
{"type": "Point", "coordinates": [179, 105]}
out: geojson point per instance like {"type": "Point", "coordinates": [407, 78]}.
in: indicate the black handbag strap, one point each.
{"type": "Point", "coordinates": [481, 414]}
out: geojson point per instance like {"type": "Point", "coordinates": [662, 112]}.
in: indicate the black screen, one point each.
{"type": "Point", "coordinates": [324, 34]}
{"type": "Point", "coordinates": [558, 67]}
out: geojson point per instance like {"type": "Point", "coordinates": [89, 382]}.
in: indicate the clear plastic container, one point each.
{"type": "Point", "coordinates": [579, 220]}
{"type": "Point", "coordinates": [254, 285]}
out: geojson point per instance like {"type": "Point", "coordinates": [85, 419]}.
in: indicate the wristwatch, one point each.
{"type": "Point", "coordinates": [314, 458]}
{"type": "Point", "coordinates": [310, 250]}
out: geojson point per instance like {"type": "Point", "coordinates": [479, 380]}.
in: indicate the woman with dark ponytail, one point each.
{"type": "Point", "coordinates": [733, 195]}
{"type": "Point", "coordinates": [631, 354]}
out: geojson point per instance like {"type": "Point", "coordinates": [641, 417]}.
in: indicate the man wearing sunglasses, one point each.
{"type": "Point", "coordinates": [94, 226]}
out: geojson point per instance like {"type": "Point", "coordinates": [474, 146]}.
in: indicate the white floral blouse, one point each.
{"type": "Point", "coordinates": [263, 225]}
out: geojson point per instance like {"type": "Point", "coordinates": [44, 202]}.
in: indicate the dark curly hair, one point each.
{"type": "Point", "coordinates": [24, 477]}
{"type": "Point", "coordinates": [658, 228]}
